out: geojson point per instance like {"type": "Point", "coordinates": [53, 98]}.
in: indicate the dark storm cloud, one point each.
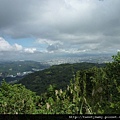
{"type": "Point", "coordinates": [81, 23]}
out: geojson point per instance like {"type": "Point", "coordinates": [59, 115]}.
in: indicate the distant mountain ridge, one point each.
{"type": "Point", "coordinates": [14, 70]}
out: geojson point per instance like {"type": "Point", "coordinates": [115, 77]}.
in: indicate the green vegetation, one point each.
{"type": "Point", "coordinates": [16, 99]}
{"type": "Point", "coordinates": [9, 70]}
{"type": "Point", "coordinates": [91, 91]}
{"type": "Point", "coordinates": [12, 68]}
{"type": "Point", "coordinates": [60, 75]}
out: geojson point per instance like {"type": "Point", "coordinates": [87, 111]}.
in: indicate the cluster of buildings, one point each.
{"type": "Point", "coordinates": [90, 59]}
{"type": "Point", "coordinates": [19, 74]}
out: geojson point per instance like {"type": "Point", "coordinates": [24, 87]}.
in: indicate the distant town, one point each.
{"type": "Point", "coordinates": [15, 70]}
{"type": "Point", "coordinates": [89, 59]}
{"type": "Point", "coordinates": [20, 74]}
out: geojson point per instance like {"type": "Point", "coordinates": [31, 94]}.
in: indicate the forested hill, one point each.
{"type": "Point", "coordinates": [14, 67]}
{"type": "Point", "coordinates": [95, 90]}
{"type": "Point", "coordinates": [58, 75]}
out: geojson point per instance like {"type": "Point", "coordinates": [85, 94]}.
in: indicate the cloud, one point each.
{"type": "Point", "coordinates": [56, 17]}
{"type": "Point", "coordinates": [18, 52]}
{"type": "Point", "coordinates": [30, 50]}
{"type": "Point", "coordinates": [50, 45]}
{"type": "Point", "coordinates": [6, 47]}
{"type": "Point", "coordinates": [62, 25]}
{"type": "Point", "coordinates": [53, 48]}
{"type": "Point", "coordinates": [17, 47]}
{"type": "Point", "coordinates": [48, 42]}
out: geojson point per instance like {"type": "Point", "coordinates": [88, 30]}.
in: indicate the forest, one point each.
{"type": "Point", "coordinates": [95, 90]}
{"type": "Point", "coordinates": [58, 75]}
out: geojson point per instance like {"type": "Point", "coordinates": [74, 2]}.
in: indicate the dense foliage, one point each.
{"type": "Point", "coordinates": [91, 91]}
{"type": "Point", "coordinates": [16, 99]}
{"type": "Point", "coordinates": [57, 74]}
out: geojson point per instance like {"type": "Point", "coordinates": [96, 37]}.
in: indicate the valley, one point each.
{"type": "Point", "coordinates": [12, 71]}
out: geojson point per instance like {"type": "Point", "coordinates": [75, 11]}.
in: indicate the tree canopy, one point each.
{"type": "Point", "coordinates": [90, 91]}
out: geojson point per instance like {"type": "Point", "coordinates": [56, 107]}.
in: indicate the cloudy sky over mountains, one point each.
{"type": "Point", "coordinates": [41, 28]}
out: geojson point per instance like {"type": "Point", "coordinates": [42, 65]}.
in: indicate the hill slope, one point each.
{"type": "Point", "coordinates": [13, 67]}
{"type": "Point", "coordinates": [59, 75]}
{"type": "Point", "coordinates": [12, 71]}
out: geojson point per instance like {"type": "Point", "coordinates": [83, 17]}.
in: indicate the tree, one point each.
{"type": "Point", "coordinates": [113, 74]}
{"type": "Point", "coordinates": [16, 99]}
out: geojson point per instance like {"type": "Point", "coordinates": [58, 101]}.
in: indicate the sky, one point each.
{"type": "Point", "coordinates": [43, 29]}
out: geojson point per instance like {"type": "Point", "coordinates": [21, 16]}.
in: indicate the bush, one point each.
{"type": "Point", "coordinates": [16, 99]}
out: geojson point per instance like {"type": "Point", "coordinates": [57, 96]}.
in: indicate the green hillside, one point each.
{"type": "Point", "coordinates": [91, 91]}
{"type": "Point", "coordinates": [58, 75]}
{"type": "Point", "coordinates": [13, 67]}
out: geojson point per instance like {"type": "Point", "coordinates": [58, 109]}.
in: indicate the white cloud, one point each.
{"type": "Point", "coordinates": [17, 47]}
{"type": "Point", "coordinates": [73, 50]}
{"type": "Point", "coordinates": [67, 26]}
{"type": "Point", "coordinates": [50, 46]}
{"type": "Point", "coordinates": [4, 45]}
{"type": "Point", "coordinates": [47, 41]}
{"type": "Point", "coordinates": [30, 50]}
